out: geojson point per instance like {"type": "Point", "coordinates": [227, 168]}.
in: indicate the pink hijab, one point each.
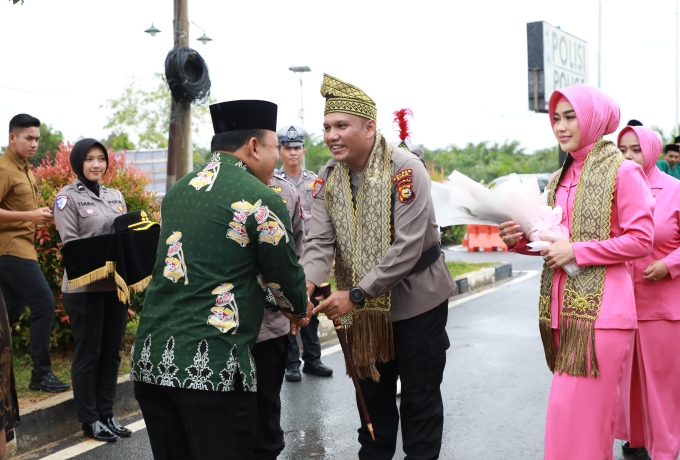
{"type": "Point", "coordinates": [597, 114]}
{"type": "Point", "coordinates": [650, 144]}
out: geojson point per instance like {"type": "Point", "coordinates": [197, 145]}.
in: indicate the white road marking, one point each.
{"type": "Point", "coordinates": [331, 350]}
{"type": "Point", "coordinates": [528, 274]}
{"type": "Point", "coordinates": [90, 444]}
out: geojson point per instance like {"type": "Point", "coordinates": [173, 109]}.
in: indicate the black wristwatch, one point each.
{"type": "Point", "coordinates": [356, 295]}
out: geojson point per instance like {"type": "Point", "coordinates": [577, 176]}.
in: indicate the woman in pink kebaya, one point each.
{"type": "Point", "coordinates": [587, 321]}
{"type": "Point", "coordinates": [651, 400]}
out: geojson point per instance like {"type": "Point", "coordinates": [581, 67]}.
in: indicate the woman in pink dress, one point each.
{"type": "Point", "coordinates": [587, 321]}
{"type": "Point", "coordinates": [651, 398]}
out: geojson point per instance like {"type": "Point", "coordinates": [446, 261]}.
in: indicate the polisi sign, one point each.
{"type": "Point", "coordinates": [556, 59]}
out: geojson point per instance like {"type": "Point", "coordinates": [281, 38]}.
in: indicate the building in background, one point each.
{"type": "Point", "coordinates": [154, 162]}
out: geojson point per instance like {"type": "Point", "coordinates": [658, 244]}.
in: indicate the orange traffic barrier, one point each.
{"type": "Point", "coordinates": [483, 238]}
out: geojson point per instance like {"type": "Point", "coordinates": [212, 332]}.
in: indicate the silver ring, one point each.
{"type": "Point", "coordinates": [546, 258]}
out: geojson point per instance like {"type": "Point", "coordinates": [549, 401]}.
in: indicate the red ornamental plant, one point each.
{"type": "Point", "coordinates": [53, 174]}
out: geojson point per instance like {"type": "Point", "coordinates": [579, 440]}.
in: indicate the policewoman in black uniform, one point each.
{"type": "Point", "coordinates": [85, 209]}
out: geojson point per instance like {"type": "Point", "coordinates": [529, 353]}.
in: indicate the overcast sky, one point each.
{"type": "Point", "coordinates": [461, 66]}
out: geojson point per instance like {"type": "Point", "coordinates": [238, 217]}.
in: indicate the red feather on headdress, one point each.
{"type": "Point", "coordinates": [400, 118]}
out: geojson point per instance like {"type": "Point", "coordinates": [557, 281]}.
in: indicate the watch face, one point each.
{"type": "Point", "coordinates": [356, 295]}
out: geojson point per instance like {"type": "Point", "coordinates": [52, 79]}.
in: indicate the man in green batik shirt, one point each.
{"type": "Point", "coordinates": [226, 247]}
{"type": "Point", "coordinates": [669, 164]}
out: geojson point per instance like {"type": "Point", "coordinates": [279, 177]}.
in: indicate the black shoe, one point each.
{"type": "Point", "coordinates": [638, 451]}
{"type": "Point", "coordinates": [99, 431]}
{"type": "Point", "coordinates": [48, 383]}
{"type": "Point", "coordinates": [117, 429]}
{"type": "Point", "coordinates": [317, 369]}
{"type": "Point", "coordinates": [293, 375]}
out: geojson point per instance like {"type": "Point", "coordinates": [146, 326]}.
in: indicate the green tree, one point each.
{"type": "Point", "coordinates": [118, 141]}
{"type": "Point", "coordinates": [485, 161]}
{"type": "Point", "coordinates": [50, 139]}
{"type": "Point", "coordinates": [147, 113]}
{"type": "Point", "coordinates": [201, 157]}
{"type": "Point", "coordinates": [317, 153]}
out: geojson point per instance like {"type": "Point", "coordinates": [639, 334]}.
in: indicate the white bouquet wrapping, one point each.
{"type": "Point", "coordinates": [518, 200]}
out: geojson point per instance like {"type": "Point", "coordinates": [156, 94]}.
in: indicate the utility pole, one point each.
{"type": "Point", "coordinates": [180, 160]}
{"type": "Point", "coordinates": [599, 46]}
{"type": "Point", "coordinates": [298, 71]}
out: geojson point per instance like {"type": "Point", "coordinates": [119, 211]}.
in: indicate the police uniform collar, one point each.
{"type": "Point", "coordinates": [80, 187]}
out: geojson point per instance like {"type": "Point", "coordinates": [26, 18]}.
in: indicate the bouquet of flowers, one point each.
{"type": "Point", "coordinates": [518, 200]}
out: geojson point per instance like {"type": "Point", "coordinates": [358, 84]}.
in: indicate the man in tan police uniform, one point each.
{"type": "Point", "coordinates": [271, 349]}
{"type": "Point", "coordinates": [292, 151]}
{"type": "Point", "coordinates": [22, 282]}
{"type": "Point", "coordinates": [373, 214]}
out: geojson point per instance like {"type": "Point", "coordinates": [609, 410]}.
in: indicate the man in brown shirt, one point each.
{"type": "Point", "coordinates": [373, 214]}
{"type": "Point", "coordinates": [22, 282]}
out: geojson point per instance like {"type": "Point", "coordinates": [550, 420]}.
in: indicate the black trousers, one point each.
{"type": "Point", "coordinates": [311, 346]}
{"type": "Point", "coordinates": [270, 359]}
{"type": "Point", "coordinates": [98, 322]}
{"type": "Point", "coordinates": [197, 424]}
{"type": "Point", "coordinates": [22, 283]}
{"type": "Point", "coordinates": [420, 345]}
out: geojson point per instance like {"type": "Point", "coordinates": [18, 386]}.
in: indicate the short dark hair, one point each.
{"type": "Point", "coordinates": [22, 121]}
{"type": "Point", "coordinates": [231, 141]}
{"type": "Point", "coordinates": [671, 148]}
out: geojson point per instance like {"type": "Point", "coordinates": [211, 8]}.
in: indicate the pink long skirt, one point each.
{"type": "Point", "coordinates": [582, 410]}
{"type": "Point", "coordinates": [649, 410]}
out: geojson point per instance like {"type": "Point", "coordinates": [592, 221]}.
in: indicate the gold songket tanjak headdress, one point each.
{"type": "Point", "coordinates": [346, 98]}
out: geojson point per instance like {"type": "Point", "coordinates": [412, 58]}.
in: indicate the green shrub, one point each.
{"type": "Point", "coordinates": [52, 174]}
{"type": "Point", "coordinates": [453, 235]}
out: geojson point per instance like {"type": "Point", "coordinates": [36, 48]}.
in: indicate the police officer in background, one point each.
{"type": "Point", "coordinates": [292, 151]}
{"type": "Point", "coordinates": [271, 350]}
{"type": "Point", "coordinates": [85, 209]}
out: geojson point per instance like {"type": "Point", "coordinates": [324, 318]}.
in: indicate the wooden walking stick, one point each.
{"type": "Point", "coordinates": [324, 290]}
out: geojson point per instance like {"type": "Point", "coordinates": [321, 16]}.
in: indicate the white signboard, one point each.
{"type": "Point", "coordinates": [565, 59]}
{"type": "Point", "coordinates": [556, 60]}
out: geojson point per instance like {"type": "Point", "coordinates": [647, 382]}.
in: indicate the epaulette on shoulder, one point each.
{"type": "Point", "coordinates": [283, 179]}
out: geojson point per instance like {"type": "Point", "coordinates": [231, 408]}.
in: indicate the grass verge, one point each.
{"type": "Point", "coordinates": [460, 268]}
{"type": "Point", "coordinates": [61, 366]}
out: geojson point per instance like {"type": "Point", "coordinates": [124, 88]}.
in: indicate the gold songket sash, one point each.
{"type": "Point", "coordinates": [362, 232]}
{"type": "Point", "coordinates": [582, 296]}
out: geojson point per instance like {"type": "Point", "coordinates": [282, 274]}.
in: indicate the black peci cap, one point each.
{"type": "Point", "coordinates": [677, 140]}
{"type": "Point", "coordinates": [671, 148]}
{"type": "Point", "coordinates": [634, 122]}
{"type": "Point", "coordinates": [244, 114]}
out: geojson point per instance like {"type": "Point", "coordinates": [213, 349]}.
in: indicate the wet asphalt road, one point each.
{"type": "Point", "coordinates": [495, 387]}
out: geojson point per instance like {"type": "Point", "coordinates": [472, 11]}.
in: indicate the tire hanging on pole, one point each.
{"type": "Point", "coordinates": [187, 75]}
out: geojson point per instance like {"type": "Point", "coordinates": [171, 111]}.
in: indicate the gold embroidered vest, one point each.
{"type": "Point", "coordinates": [582, 296]}
{"type": "Point", "coordinates": [363, 237]}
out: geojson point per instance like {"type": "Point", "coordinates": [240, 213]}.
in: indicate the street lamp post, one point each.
{"type": "Point", "coordinates": [301, 113]}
